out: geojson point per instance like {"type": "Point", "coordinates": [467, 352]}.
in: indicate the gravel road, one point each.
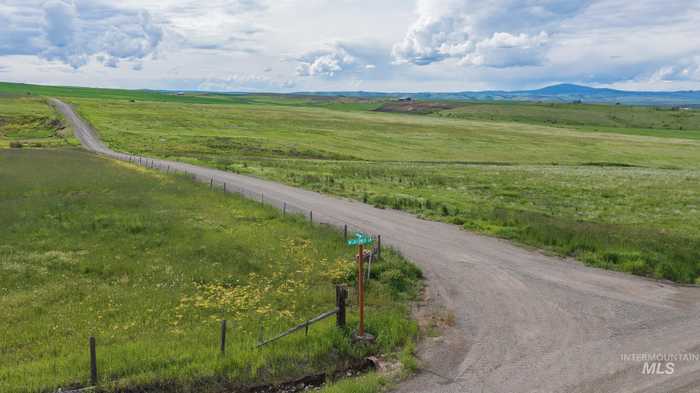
{"type": "Point", "coordinates": [522, 321]}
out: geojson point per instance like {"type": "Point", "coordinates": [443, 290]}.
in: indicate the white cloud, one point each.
{"type": "Point", "coordinates": [73, 31]}
{"type": "Point", "coordinates": [468, 44]}
{"type": "Point", "coordinates": [687, 69]}
{"type": "Point", "coordinates": [439, 33]}
{"type": "Point", "coordinates": [328, 62]}
{"type": "Point", "coordinates": [499, 33]}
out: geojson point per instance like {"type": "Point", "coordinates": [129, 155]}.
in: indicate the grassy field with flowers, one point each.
{"type": "Point", "coordinates": [621, 198]}
{"type": "Point", "coordinates": [611, 185]}
{"type": "Point", "coordinates": [150, 263]}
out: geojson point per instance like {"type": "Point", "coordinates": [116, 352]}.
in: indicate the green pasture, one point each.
{"type": "Point", "coordinates": [150, 264]}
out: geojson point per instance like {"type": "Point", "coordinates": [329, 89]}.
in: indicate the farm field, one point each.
{"type": "Point", "coordinates": [150, 263]}
{"type": "Point", "coordinates": [30, 121]}
{"type": "Point", "coordinates": [632, 120]}
{"type": "Point", "coordinates": [613, 186]}
{"type": "Point", "coordinates": [623, 201]}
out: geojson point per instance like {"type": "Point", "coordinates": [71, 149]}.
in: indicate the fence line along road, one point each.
{"type": "Point", "coordinates": [523, 321]}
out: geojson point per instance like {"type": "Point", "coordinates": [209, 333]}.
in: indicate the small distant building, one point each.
{"type": "Point", "coordinates": [405, 99]}
{"type": "Point", "coordinates": [180, 93]}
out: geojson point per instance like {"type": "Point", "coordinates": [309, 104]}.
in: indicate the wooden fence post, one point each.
{"type": "Point", "coordinates": [379, 246]}
{"type": "Point", "coordinates": [223, 337]}
{"type": "Point", "coordinates": [341, 294]}
{"type": "Point", "coordinates": [93, 362]}
{"type": "Point", "coordinates": [311, 216]}
{"type": "Point", "coordinates": [284, 209]}
{"type": "Point", "coordinates": [224, 186]}
{"type": "Point", "coordinates": [262, 198]}
{"type": "Point", "coordinates": [345, 232]}
{"type": "Point", "coordinates": [211, 183]}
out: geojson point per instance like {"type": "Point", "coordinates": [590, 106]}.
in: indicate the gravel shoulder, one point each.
{"type": "Point", "coordinates": [523, 321]}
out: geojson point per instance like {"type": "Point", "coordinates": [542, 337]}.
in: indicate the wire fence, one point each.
{"type": "Point", "coordinates": [316, 217]}
{"type": "Point", "coordinates": [106, 362]}
{"type": "Point", "coordinates": [285, 207]}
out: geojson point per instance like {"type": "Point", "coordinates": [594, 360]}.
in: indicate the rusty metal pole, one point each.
{"type": "Point", "coordinates": [361, 289]}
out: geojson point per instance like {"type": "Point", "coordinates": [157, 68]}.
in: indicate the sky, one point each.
{"type": "Point", "coordinates": [342, 45]}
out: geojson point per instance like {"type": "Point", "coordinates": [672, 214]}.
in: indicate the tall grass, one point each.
{"type": "Point", "coordinates": [29, 121]}
{"type": "Point", "coordinates": [636, 190]}
{"type": "Point", "coordinates": [150, 264]}
{"type": "Point", "coordinates": [639, 220]}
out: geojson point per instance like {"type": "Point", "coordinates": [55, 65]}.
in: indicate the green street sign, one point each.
{"type": "Point", "coordinates": [360, 239]}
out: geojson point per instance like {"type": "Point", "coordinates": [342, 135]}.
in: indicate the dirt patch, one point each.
{"type": "Point", "coordinates": [221, 385]}
{"type": "Point", "coordinates": [433, 318]}
{"type": "Point", "coordinates": [416, 107]}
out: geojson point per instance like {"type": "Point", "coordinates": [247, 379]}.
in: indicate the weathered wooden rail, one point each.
{"type": "Point", "coordinates": [341, 295]}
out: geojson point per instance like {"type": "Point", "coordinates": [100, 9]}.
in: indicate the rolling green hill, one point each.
{"type": "Point", "coordinates": [613, 186]}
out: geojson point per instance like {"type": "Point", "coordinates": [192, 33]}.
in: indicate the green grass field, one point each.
{"type": "Point", "coordinates": [30, 121]}
{"type": "Point", "coordinates": [150, 263]}
{"type": "Point", "coordinates": [666, 122]}
{"type": "Point", "coordinates": [206, 132]}
{"type": "Point", "coordinates": [613, 186]}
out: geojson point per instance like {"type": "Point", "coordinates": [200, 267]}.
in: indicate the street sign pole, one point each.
{"type": "Point", "coordinates": [361, 288]}
{"type": "Point", "coordinates": [360, 240]}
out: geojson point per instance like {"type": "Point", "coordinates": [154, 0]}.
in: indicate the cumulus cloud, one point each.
{"type": "Point", "coordinates": [434, 38]}
{"type": "Point", "coordinates": [500, 33]}
{"type": "Point", "coordinates": [74, 31]}
{"type": "Point", "coordinates": [328, 62]}
{"type": "Point", "coordinates": [687, 69]}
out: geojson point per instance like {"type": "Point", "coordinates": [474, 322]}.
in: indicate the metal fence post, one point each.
{"type": "Point", "coordinates": [311, 216]}
{"type": "Point", "coordinates": [93, 362]}
{"type": "Point", "coordinates": [223, 337]}
{"type": "Point", "coordinates": [379, 246]}
{"type": "Point", "coordinates": [345, 232]}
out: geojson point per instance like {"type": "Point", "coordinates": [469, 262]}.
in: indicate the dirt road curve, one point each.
{"type": "Point", "coordinates": [524, 322]}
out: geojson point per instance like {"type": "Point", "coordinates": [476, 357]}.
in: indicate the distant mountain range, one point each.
{"type": "Point", "coordinates": [555, 93]}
